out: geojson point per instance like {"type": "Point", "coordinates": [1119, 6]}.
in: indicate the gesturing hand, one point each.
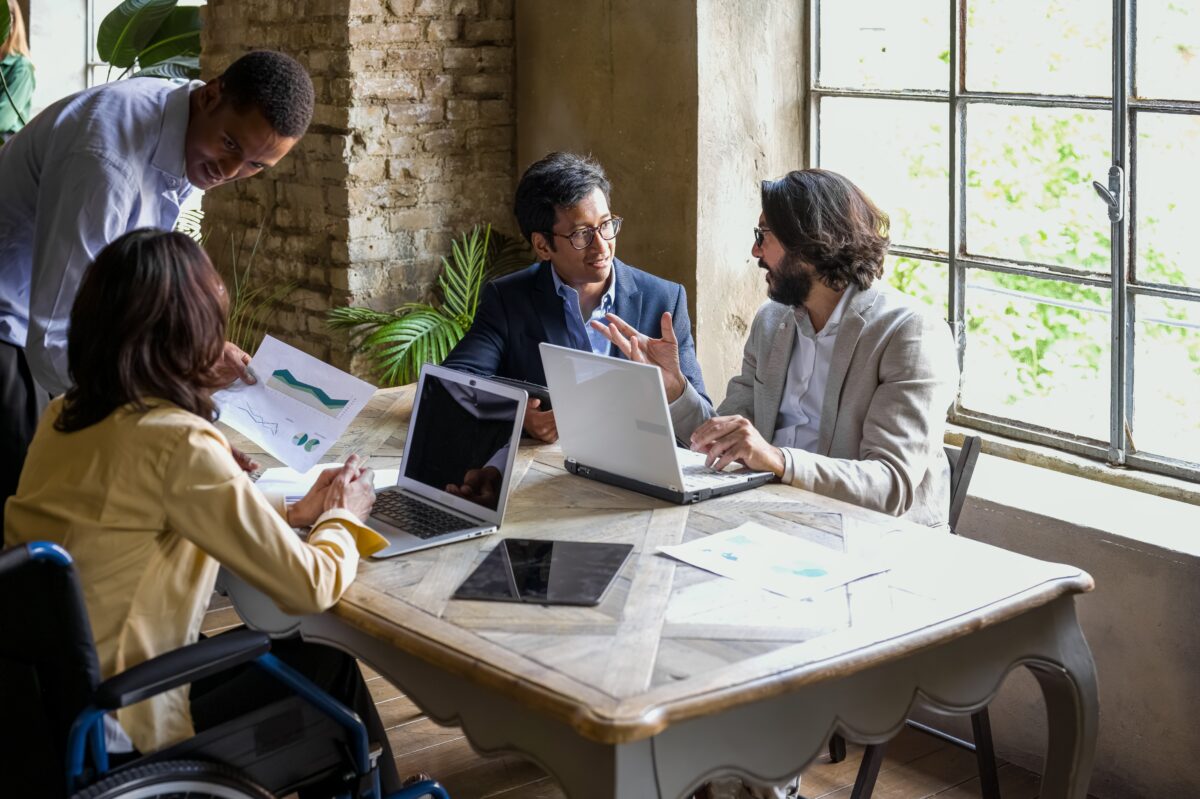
{"type": "Point", "coordinates": [640, 348]}
{"type": "Point", "coordinates": [725, 439]}
{"type": "Point", "coordinates": [540, 424]}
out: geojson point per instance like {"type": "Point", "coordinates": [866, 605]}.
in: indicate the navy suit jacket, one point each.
{"type": "Point", "coordinates": [519, 311]}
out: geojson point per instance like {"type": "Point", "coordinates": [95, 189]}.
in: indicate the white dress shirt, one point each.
{"type": "Point", "coordinates": [83, 172]}
{"type": "Point", "coordinates": [798, 425]}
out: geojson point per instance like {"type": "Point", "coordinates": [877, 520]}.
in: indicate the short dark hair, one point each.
{"type": "Point", "coordinates": [148, 322]}
{"type": "Point", "coordinates": [826, 221]}
{"type": "Point", "coordinates": [560, 180]}
{"type": "Point", "coordinates": [276, 85]}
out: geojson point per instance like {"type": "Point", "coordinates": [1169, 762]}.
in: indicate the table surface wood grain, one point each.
{"type": "Point", "coordinates": [670, 641]}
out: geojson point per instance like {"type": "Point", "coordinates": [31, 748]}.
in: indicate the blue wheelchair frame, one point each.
{"type": "Point", "coordinates": [87, 731]}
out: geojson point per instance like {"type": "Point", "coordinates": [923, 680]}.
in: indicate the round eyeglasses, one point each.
{"type": "Point", "coordinates": [582, 238]}
{"type": "Point", "coordinates": [760, 235]}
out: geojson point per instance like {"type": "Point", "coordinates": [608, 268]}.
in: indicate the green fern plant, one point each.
{"type": "Point", "coordinates": [398, 342]}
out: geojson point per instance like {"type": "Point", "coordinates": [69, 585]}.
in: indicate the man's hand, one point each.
{"type": "Point", "coordinates": [233, 365]}
{"type": "Point", "coordinates": [661, 352]}
{"type": "Point", "coordinates": [481, 486]}
{"type": "Point", "coordinates": [244, 461]}
{"type": "Point", "coordinates": [725, 439]}
{"type": "Point", "coordinates": [540, 424]}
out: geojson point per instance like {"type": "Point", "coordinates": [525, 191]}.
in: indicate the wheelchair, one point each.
{"type": "Point", "coordinates": [54, 707]}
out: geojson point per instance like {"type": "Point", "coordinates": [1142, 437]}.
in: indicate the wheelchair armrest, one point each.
{"type": "Point", "coordinates": [180, 667]}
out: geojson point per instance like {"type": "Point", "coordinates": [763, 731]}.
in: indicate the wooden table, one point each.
{"type": "Point", "coordinates": [680, 675]}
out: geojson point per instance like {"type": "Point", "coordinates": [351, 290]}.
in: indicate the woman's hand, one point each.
{"type": "Point", "coordinates": [351, 489]}
{"type": "Point", "coordinates": [305, 511]}
{"type": "Point", "coordinates": [234, 365]}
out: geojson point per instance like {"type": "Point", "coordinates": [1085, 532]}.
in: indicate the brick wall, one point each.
{"type": "Point", "coordinates": [412, 142]}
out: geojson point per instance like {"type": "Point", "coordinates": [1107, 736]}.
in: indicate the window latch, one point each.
{"type": "Point", "coordinates": [1112, 194]}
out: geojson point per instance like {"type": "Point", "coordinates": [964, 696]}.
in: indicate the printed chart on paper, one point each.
{"type": "Point", "coordinates": [298, 408]}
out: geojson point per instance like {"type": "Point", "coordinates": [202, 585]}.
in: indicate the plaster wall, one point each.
{"type": "Point", "coordinates": [750, 117]}
{"type": "Point", "coordinates": [58, 42]}
{"type": "Point", "coordinates": [1139, 622]}
{"type": "Point", "coordinates": [617, 79]}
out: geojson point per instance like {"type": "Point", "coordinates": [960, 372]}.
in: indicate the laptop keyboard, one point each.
{"type": "Point", "coordinates": [415, 517]}
{"type": "Point", "coordinates": [697, 476]}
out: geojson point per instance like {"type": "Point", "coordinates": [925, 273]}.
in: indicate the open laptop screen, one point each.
{"type": "Point", "coordinates": [460, 440]}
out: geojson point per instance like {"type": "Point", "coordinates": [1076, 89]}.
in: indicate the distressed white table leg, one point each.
{"type": "Point", "coordinates": [494, 723]}
{"type": "Point", "coordinates": [1072, 709]}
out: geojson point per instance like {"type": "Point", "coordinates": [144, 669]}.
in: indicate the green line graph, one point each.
{"type": "Point", "coordinates": [315, 397]}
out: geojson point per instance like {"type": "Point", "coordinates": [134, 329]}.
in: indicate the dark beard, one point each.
{"type": "Point", "coordinates": [790, 283]}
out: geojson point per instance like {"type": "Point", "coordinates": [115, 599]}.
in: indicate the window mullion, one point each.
{"type": "Point", "coordinates": [1120, 393]}
{"type": "Point", "coordinates": [812, 136]}
{"type": "Point", "coordinates": [956, 299]}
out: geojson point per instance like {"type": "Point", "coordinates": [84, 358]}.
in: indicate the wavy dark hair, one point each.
{"type": "Point", "coordinates": [560, 180]}
{"type": "Point", "coordinates": [148, 323]}
{"type": "Point", "coordinates": [826, 221]}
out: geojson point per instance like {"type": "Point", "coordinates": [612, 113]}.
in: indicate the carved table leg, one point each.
{"type": "Point", "coordinates": [1072, 709]}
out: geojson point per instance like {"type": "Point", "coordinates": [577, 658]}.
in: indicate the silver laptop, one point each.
{"type": "Point", "coordinates": [458, 461]}
{"type": "Point", "coordinates": [614, 426]}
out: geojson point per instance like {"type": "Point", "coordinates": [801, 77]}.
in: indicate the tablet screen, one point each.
{"type": "Point", "coordinates": [546, 572]}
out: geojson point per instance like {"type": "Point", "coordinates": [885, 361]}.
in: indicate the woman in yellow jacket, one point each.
{"type": "Point", "coordinates": [128, 473]}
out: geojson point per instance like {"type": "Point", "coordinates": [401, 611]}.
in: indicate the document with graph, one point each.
{"type": "Point", "coordinates": [298, 408]}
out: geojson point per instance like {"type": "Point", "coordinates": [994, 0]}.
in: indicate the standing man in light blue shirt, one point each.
{"type": "Point", "coordinates": [562, 208]}
{"type": "Point", "coordinates": [99, 163]}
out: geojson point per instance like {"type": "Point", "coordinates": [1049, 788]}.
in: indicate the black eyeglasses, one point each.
{"type": "Point", "coordinates": [582, 239]}
{"type": "Point", "coordinates": [760, 235]}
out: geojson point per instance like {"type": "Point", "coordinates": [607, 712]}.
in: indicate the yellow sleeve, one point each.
{"type": "Point", "coordinates": [212, 503]}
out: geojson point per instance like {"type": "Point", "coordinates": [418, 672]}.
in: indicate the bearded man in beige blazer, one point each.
{"type": "Point", "coordinates": [844, 384]}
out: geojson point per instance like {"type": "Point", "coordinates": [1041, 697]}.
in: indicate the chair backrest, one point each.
{"type": "Point", "coordinates": [962, 466]}
{"type": "Point", "coordinates": [48, 665]}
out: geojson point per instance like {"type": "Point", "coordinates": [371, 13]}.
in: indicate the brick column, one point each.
{"type": "Point", "coordinates": [412, 142]}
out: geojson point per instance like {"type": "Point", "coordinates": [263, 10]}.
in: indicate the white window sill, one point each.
{"type": "Point", "coordinates": [1145, 508]}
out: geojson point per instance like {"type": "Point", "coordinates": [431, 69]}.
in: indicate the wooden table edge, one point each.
{"type": "Point", "coordinates": [652, 712]}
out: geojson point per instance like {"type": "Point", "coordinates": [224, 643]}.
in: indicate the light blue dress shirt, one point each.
{"type": "Point", "coordinates": [86, 170]}
{"type": "Point", "coordinates": [583, 335]}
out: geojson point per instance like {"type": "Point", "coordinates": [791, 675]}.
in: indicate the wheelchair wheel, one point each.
{"type": "Point", "coordinates": [176, 779]}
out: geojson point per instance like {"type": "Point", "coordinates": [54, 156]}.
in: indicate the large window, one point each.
{"type": "Point", "coordinates": [980, 126]}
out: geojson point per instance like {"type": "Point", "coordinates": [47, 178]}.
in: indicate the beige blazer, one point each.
{"type": "Point", "coordinates": [892, 377]}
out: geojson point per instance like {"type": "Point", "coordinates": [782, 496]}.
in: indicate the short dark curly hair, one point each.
{"type": "Point", "coordinates": [560, 180]}
{"type": "Point", "coordinates": [276, 85]}
{"type": "Point", "coordinates": [826, 221]}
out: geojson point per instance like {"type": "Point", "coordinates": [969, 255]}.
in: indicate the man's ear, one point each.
{"type": "Point", "coordinates": [210, 95]}
{"type": "Point", "coordinates": [541, 246]}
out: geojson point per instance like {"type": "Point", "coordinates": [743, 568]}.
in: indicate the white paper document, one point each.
{"type": "Point", "coordinates": [294, 484]}
{"type": "Point", "coordinates": [776, 561]}
{"type": "Point", "coordinates": [298, 408]}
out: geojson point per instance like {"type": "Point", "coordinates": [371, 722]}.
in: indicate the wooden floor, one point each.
{"type": "Point", "coordinates": [917, 766]}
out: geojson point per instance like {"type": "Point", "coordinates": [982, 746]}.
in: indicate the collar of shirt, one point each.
{"type": "Point", "coordinates": [170, 155]}
{"type": "Point", "coordinates": [804, 324]}
{"type": "Point", "coordinates": [584, 336]}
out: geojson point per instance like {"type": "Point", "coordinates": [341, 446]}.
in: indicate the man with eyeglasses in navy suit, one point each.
{"type": "Point", "coordinates": [562, 208]}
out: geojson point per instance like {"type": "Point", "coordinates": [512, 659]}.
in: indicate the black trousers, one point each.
{"type": "Point", "coordinates": [21, 404]}
{"type": "Point", "coordinates": [229, 694]}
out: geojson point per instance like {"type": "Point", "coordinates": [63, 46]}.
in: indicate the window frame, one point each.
{"type": "Point", "coordinates": [1122, 280]}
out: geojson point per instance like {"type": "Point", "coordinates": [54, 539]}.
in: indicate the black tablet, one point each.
{"type": "Point", "coordinates": [534, 390]}
{"type": "Point", "coordinates": [546, 572]}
